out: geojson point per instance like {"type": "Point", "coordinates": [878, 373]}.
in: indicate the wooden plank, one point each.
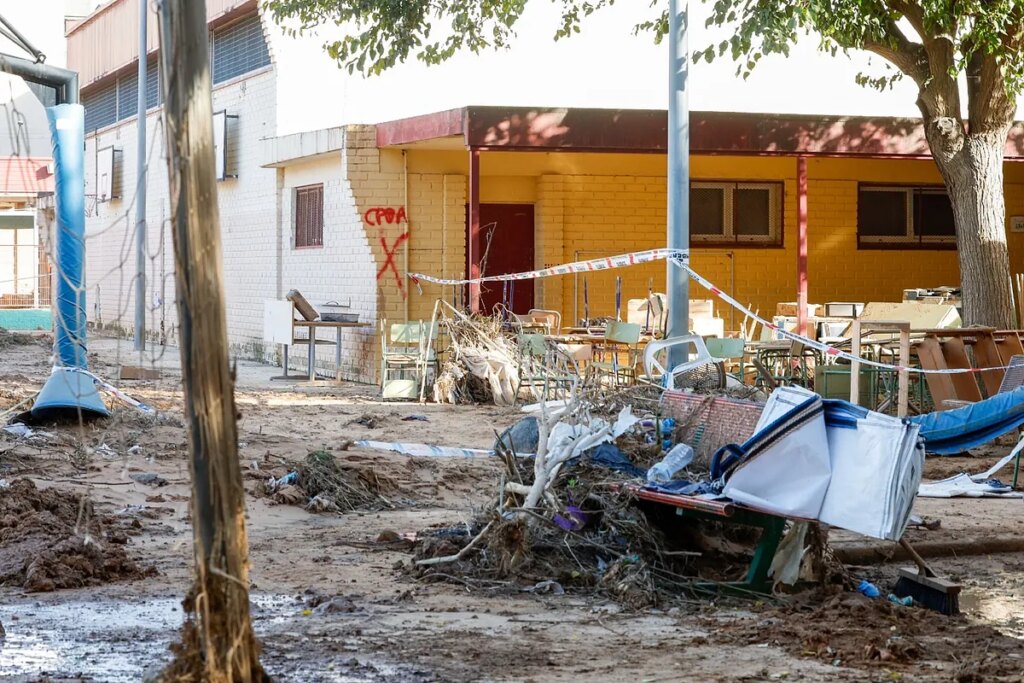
{"type": "Point", "coordinates": [986, 355]}
{"type": "Point", "coordinates": [1009, 345]}
{"type": "Point", "coordinates": [903, 405]}
{"type": "Point", "coordinates": [929, 353]}
{"type": "Point", "coordinates": [138, 372]}
{"type": "Point", "coordinates": [964, 384]}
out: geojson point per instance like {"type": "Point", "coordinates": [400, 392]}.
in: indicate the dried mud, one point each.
{"type": "Point", "coordinates": [851, 630]}
{"type": "Point", "coordinates": [51, 539]}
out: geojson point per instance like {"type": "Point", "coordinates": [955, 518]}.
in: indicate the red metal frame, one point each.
{"type": "Point", "coordinates": [721, 508]}
{"type": "Point", "coordinates": [801, 245]}
{"type": "Point", "coordinates": [474, 246]}
{"type": "Point", "coordinates": [441, 124]}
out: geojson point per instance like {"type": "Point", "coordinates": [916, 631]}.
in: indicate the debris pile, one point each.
{"type": "Point", "coordinates": [322, 483]}
{"type": "Point", "coordinates": [481, 365]}
{"type": "Point", "coordinates": [852, 630]}
{"type": "Point", "coordinates": [561, 520]}
{"type": "Point", "coordinates": [9, 338]}
{"type": "Point", "coordinates": [52, 539]}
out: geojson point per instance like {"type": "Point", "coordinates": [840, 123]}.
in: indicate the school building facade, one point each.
{"type": "Point", "coordinates": [343, 213]}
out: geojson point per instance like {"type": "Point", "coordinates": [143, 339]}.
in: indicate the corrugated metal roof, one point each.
{"type": "Point", "coordinates": [106, 40]}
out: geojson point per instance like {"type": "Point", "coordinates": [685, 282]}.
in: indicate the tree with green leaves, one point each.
{"type": "Point", "coordinates": [936, 43]}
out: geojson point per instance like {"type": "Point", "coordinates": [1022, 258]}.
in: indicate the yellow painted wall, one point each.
{"type": "Point", "coordinates": [591, 205]}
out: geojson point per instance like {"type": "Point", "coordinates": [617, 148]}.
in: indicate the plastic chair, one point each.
{"type": "Point", "coordinates": [404, 350]}
{"type": "Point", "coordinates": [704, 370]}
{"type": "Point", "coordinates": [731, 351]}
{"type": "Point", "coordinates": [618, 338]}
{"type": "Point", "coordinates": [544, 365]}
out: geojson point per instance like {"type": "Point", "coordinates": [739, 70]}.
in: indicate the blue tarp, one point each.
{"type": "Point", "coordinates": [953, 431]}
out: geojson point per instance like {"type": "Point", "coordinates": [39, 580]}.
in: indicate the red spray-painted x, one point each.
{"type": "Point", "coordinates": [389, 259]}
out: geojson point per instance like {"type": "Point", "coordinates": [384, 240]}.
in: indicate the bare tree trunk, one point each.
{"type": "Point", "coordinates": [228, 650]}
{"type": "Point", "coordinates": [974, 179]}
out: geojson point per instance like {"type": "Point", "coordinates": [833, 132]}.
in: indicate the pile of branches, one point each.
{"type": "Point", "coordinates": [482, 362]}
{"type": "Point", "coordinates": [558, 522]}
{"type": "Point", "coordinates": [322, 483]}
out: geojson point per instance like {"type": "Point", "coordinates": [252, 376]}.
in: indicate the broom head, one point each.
{"type": "Point", "coordinates": [928, 591]}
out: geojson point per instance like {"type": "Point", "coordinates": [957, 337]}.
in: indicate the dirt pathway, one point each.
{"type": "Point", "coordinates": [330, 604]}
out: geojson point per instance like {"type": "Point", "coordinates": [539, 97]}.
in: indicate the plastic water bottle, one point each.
{"type": "Point", "coordinates": [674, 461]}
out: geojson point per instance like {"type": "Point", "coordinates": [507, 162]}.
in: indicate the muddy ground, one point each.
{"type": "Point", "coordinates": [329, 603]}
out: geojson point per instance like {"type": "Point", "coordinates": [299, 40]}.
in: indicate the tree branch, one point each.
{"type": "Point", "coordinates": [906, 55]}
{"type": "Point", "coordinates": [989, 107]}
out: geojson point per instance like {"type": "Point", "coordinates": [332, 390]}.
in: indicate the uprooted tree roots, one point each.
{"type": "Point", "coordinates": [188, 664]}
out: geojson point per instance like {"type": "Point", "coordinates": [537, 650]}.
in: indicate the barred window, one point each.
{"type": "Point", "coordinates": [100, 107]}
{"type": "Point", "coordinates": [119, 99]}
{"type": "Point", "coordinates": [309, 216]}
{"type": "Point", "coordinates": [152, 82]}
{"type": "Point", "coordinates": [891, 217]}
{"type": "Point", "coordinates": [238, 49]}
{"type": "Point", "coordinates": [736, 213]}
{"type": "Point", "coordinates": [127, 96]}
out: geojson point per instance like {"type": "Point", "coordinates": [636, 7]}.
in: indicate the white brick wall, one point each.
{"type": "Point", "coordinates": [248, 207]}
{"type": "Point", "coordinates": [342, 270]}
{"type": "Point", "coordinates": [257, 232]}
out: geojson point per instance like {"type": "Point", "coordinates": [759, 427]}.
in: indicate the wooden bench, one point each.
{"type": "Point", "coordinates": [692, 507]}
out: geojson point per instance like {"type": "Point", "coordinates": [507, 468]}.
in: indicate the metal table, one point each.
{"type": "Point", "coordinates": [311, 341]}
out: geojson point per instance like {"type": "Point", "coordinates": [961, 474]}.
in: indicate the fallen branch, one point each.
{"type": "Point", "coordinates": [459, 555]}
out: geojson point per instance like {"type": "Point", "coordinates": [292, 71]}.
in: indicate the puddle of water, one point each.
{"type": "Point", "coordinates": [113, 638]}
{"type": "Point", "coordinates": [1003, 611]}
{"type": "Point", "coordinates": [117, 641]}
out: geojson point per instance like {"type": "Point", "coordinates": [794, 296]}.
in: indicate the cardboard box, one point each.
{"type": "Point", "coordinates": [702, 308]}
{"type": "Point", "coordinates": [707, 326]}
{"type": "Point", "coordinates": [843, 309]}
{"type": "Point", "coordinates": [787, 323]}
{"type": "Point", "coordinates": [789, 308]}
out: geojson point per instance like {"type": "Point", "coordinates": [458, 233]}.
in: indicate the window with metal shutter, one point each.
{"type": "Point", "coordinates": [127, 96]}
{"type": "Point", "coordinates": [239, 49]}
{"type": "Point", "coordinates": [152, 83]}
{"type": "Point", "coordinates": [309, 216]}
{"type": "Point", "coordinates": [100, 107]}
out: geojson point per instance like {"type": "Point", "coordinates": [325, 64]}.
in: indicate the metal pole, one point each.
{"type": "Point", "coordinates": [678, 283]}
{"type": "Point", "coordinates": [140, 192]}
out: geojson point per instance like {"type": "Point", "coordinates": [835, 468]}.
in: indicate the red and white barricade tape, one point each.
{"type": "Point", "coordinates": [680, 258]}
{"type": "Point", "coordinates": [593, 265]}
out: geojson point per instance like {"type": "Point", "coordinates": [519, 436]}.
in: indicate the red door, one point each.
{"type": "Point", "coordinates": [508, 247]}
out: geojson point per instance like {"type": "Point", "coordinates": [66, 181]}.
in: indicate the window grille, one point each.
{"type": "Point", "coordinates": [309, 216]}
{"type": "Point", "coordinates": [100, 107]}
{"type": "Point", "coordinates": [904, 217]}
{"type": "Point", "coordinates": [736, 213]}
{"type": "Point", "coordinates": [239, 49]}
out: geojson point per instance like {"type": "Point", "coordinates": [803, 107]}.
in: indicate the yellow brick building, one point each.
{"type": "Point", "coordinates": [556, 186]}
{"type": "Point", "coordinates": [609, 200]}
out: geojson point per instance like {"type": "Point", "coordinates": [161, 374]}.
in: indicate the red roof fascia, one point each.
{"type": "Point", "coordinates": [637, 130]}
{"type": "Point", "coordinates": [440, 124]}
